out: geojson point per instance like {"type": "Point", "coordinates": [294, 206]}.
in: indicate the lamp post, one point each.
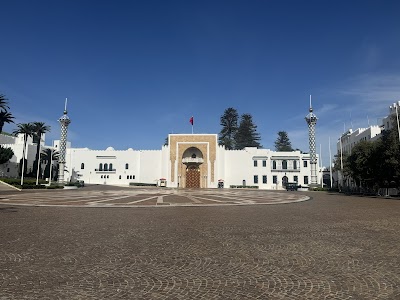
{"type": "Point", "coordinates": [51, 165]}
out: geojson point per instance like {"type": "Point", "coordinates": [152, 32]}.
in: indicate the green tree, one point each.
{"type": "Point", "coordinates": [229, 123]}
{"type": "Point", "coordinates": [39, 128]}
{"type": "Point", "coordinates": [5, 117]}
{"type": "Point", "coordinates": [27, 130]}
{"type": "Point", "coordinates": [361, 163]}
{"type": "Point", "coordinates": [5, 154]}
{"type": "Point", "coordinates": [389, 157]}
{"type": "Point", "coordinates": [247, 135]}
{"type": "Point", "coordinates": [283, 143]}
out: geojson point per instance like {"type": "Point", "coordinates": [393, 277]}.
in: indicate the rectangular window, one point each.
{"type": "Point", "coordinates": [255, 178]}
{"type": "Point", "coordinates": [295, 164]}
{"type": "Point", "coordinates": [127, 176]}
{"type": "Point", "coordinates": [264, 178]}
{"type": "Point", "coordinates": [305, 164]}
{"type": "Point", "coordinates": [275, 179]}
{"type": "Point", "coordinates": [305, 179]}
{"type": "Point", "coordinates": [295, 179]}
{"type": "Point", "coordinates": [255, 163]}
{"type": "Point", "coordinates": [264, 163]}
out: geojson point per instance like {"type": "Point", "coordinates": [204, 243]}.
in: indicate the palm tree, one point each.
{"type": "Point", "coordinates": [39, 128]}
{"type": "Point", "coordinates": [49, 155]}
{"type": "Point", "coordinates": [5, 117]}
{"type": "Point", "coordinates": [3, 103]}
{"type": "Point", "coordinates": [27, 130]}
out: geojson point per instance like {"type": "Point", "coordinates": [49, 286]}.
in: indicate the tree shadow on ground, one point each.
{"type": "Point", "coordinates": [8, 209]}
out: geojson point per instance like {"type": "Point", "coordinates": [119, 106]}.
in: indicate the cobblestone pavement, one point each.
{"type": "Point", "coordinates": [330, 247]}
{"type": "Point", "coordinates": [106, 196]}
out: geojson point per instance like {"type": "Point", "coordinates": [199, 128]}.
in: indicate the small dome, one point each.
{"type": "Point", "coordinates": [110, 149]}
{"type": "Point", "coordinates": [130, 149]}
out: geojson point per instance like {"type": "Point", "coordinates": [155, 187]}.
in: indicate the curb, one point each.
{"type": "Point", "coordinates": [9, 185]}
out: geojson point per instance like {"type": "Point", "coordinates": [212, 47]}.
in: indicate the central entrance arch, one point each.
{"type": "Point", "coordinates": [284, 181]}
{"type": "Point", "coordinates": [193, 176]}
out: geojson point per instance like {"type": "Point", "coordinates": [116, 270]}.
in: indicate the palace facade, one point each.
{"type": "Point", "coordinates": [189, 161]}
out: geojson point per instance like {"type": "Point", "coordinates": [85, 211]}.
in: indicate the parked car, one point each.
{"type": "Point", "coordinates": [291, 186]}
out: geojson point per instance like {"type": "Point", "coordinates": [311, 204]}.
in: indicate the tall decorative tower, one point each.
{"type": "Point", "coordinates": [64, 122]}
{"type": "Point", "coordinates": [311, 120]}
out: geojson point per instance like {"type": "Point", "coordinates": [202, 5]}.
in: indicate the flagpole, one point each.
{"type": "Point", "coordinates": [398, 125]}
{"type": "Point", "coordinates": [330, 161]}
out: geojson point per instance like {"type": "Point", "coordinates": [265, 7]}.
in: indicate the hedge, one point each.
{"type": "Point", "coordinates": [243, 186]}
{"type": "Point", "coordinates": [142, 184]}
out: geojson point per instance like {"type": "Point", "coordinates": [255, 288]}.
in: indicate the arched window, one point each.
{"type": "Point", "coordinates": [274, 164]}
{"type": "Point", "coordinates": [119, 176]}
{"type": "Point", "coordinates": [110, 167]}
{"type": "Point", "coordinates": [108, 176]}
{"type": "Point", "coordinates": [101, 167]}
{"type": "Point", "coordinates": [82, 166]}
{"type": "Point", "coordinates": [284, 164]}
{"type": "Point", "coordinates": [101, 176]}
{"type": "Point", "coordinates": [105, 167]}
{"type": "Point", "coordinates": [126, 166]}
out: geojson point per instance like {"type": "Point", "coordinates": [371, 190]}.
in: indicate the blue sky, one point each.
{"type": "Point", "coordinates": [134, 71]}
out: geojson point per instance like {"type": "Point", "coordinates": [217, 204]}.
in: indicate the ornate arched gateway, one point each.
{"type": "Point", "coordinates": [192, 160]}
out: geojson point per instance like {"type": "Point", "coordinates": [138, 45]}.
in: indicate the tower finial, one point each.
{"type": "Point", "coordinates": [310, 105]}
{"type": "Point", "coordinates": [65, 107]}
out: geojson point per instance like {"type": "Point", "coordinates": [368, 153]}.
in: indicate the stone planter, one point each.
{"type": "Point", "coordinates": [303, 189]}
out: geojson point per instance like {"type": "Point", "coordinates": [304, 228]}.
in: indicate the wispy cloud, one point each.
{"type": "Point", "coordinates": [373, 89]}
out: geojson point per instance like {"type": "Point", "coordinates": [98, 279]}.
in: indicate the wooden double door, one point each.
{"type": "Point", "coordinates": [193, 177]}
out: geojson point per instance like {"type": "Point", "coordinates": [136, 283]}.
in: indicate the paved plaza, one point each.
{"type": "Point", "coordinates": [328, 247]}
{"type": "Point", "coordinates": [109, 196]}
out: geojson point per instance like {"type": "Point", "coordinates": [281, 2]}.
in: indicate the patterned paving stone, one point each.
{"type": "Point", "coordinates": [101, 196]}
{"type": "Point", "coordinates": [331, 247]}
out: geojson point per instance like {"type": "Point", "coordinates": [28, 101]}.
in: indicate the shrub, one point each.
{"type": "Point", "coordinates": [142, 184]}
{"type": "Point", "coordinates": [33, 187]}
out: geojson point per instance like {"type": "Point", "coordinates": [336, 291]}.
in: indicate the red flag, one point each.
{"type": "Point", "coordinates": [191, 120]}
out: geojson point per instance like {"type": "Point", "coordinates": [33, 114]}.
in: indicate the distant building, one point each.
{"type": "Point", "coordinates": [350, 138]}
{"type": "Point", "coordinates": [11, 168]}
{"type": "Point", "coordinates": [388, 122]}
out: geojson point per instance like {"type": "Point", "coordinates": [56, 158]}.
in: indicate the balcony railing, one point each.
{"type": "Point", "coordinates": [102, 170]}
{"type": "Point", "coordinates": [286, 170]}
{"type": "Point", "coordinates": [197, 160]}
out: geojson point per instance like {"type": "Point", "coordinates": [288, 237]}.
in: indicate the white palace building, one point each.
{"type": "Point", "coordinates": [188, 161]}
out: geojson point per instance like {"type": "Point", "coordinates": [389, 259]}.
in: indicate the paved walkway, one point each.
{"type": "Point", "coordinates": [330, 247]}
{"type": "Point", "coordinates": [101, 196]}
